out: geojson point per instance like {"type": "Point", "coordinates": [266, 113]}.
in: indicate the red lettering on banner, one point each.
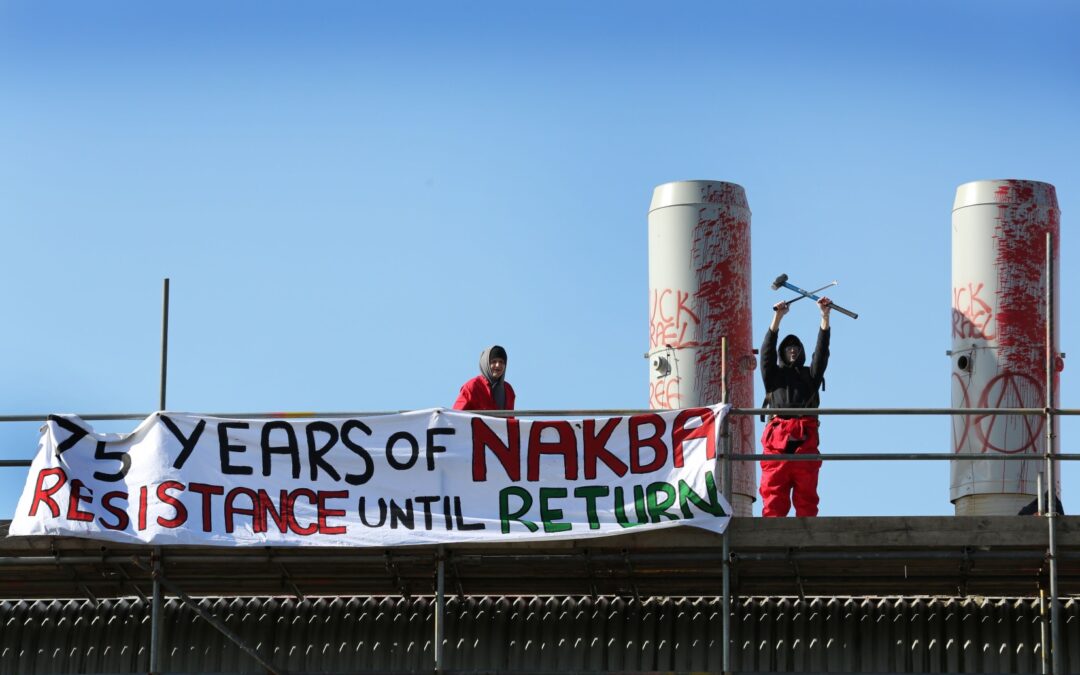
{"type": "Point", "coordinates": [181, 511]}
{"type": "Point", "coordinates": [508, 454]}
{"type": "Point", "coordinates": [120, 514]}
{"type": "Point", "coordinates": [231, 509]}
{"type": "Point", "coordinates": [74, 497]}
{"type": "Point", "coordinates": [207, 492]}
{"type": "Point", "coordinates": [294, 525]}
{"type": "Point", "coordinates": [259, 506]}
{"type": "Point", "coordinates": [566, 446]}
{"type": "Point", "coordinates": [680, 433]}
{"type": "Point", "coordinates": [278, 514]}
{"type": "Point", "coordinates": [43, 495]}
{"type": "Point", "coordinates": [555, 449]}
{"type": "Point", "coordinates": [326, 512]}
{"type": "Point", "coordinates": [655, 442]}
{"type": "Point", "coordinates": [971, 314]}
{"type": "Point", "coordinates": [596, 448]}
{"type": "Point", "coordinates": [142, 508]}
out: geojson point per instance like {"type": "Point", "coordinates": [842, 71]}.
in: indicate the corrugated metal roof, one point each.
{"type": "Point", "coordinates": [520, 634]}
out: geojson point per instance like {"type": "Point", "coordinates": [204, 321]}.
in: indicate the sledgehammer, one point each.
{"type": "Point", "coordinates": [782, 281]}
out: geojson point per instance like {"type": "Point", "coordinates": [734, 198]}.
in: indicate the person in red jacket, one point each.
{"type": "Point", "coordinates": [489, 390]}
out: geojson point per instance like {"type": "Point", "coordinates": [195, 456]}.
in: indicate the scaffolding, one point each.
{"type": "Point", "coordinates": [152, 564]}
{"type": "Point", "coordinates": [151, 559]}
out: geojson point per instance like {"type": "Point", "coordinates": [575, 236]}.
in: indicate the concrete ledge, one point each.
{"type": "Point", "coordinates": [866, 556]}
{"type": "Point", "coordinates": [756, 533]}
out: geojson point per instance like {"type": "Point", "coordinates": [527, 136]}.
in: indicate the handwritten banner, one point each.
{"type": "Point", "coordinates": [424, 477]}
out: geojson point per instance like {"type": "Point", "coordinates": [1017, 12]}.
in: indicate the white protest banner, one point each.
{"type": "Point", "coordinates": [424, 477]}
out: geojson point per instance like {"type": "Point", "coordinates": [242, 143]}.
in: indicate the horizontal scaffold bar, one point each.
{"type": "Point", "coordinates": [96, 417]}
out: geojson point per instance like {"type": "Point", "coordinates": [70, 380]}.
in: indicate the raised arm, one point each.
{"type": "Point", "coordinates": [820, 360]}
{"type": "Point", "coordinates": [768, 345]}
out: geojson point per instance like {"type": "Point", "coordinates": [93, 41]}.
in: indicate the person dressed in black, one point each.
{"type": "Point", "coordinates": [791, 384]}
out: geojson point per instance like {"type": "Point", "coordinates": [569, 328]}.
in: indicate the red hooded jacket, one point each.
{"type": "Point", "coordinates": [476, 395]}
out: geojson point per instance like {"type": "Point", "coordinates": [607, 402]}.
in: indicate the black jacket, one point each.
{"type": "Point", "coordinates": [793, 385]}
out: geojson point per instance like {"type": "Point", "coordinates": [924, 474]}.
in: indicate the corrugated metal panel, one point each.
{"type": "Point", "coordinates": [521, 634]}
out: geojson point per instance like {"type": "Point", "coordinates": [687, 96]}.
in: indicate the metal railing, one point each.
{"type": "Point", "coordinates": [1053, 650]}
{"type": "Point", "coordinates": [727, 459]}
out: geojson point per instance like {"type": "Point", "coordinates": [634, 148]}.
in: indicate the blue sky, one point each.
{"type": "Point", "coordinates": [352, 200]}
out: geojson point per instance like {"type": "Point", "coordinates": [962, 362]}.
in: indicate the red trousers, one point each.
{"type": "Point", "coordinates": [785, 482]}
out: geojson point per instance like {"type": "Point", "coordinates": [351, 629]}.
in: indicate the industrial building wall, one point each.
{"type": "Point", "coordinates": [519, 634]}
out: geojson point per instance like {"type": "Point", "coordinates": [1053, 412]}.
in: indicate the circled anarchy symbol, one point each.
{"type": "Point", "coordinates": [1010, 434]}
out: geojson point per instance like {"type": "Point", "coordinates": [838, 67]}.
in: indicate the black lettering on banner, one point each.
{"type": "Point", "coordinates": [290, 448]}
{"type": "Point", "coordinates": [427, 501]}
{"type": "Point", "coordinates": [363, 512]}
{"type": "Point", "coordinates": [225, 448]}
{"type": "Point", "coordinates": [77, 433]}
{"type": "Point", "coordinates": [120, 455]}
{"type": "Point", "coordinates": [413, 445]}
{"type": "Point", "coordinates": [432, 448]}
{"type": "Point", "coordinates": [187, 445]}
{"type": "Point", "coordinates": [402, 516]}
{"type": "Point", "coordinates": [123, 458]}
{"type": "Point", "coordinates": [317, 452]}
{"type": "Point", "coordinates": [447, 514]}
{"type": "Point", "coordinates": [359, 450]}
{"type": "Point", "coordinates": [459, 517]}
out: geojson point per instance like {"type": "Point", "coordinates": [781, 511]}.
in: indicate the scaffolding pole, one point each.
{"type": "Point", "coordinates": [725, 444]}
{"type": "Point", "coordinates": [707, 555]}
{"type": "Point", "coordinates": [440, 608]}
{"type": "Point", "coordinates": [155, 614]}
{"type": "Point", "coordinates": [308, 414]}
{"type": "Point", "coordinates": [164, 343]}
{"type": "Point", "coordinates": [1056, 645]}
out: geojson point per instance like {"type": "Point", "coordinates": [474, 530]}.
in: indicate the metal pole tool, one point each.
{"type": "Point", "coordinates": [782, 282]}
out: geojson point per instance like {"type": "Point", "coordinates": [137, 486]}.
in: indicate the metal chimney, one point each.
{"type": "Point", "coordinates": [699, 293]}
{"type": "Point", "coordinates": [999, 316]}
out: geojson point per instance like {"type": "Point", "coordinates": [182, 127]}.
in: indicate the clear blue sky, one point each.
{"type": "Point", "coordinates": [353, 199]}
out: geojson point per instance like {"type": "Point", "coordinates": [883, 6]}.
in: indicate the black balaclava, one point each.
{"type": "Point", "coordinates": [498, 391]}
{"type": "Point", "coordinates": [787, 342]}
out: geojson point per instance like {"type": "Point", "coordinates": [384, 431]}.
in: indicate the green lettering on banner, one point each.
{"type": "Point", "coordinates": [639, 506]}
{"type": "Point", "coordinates": [549, 515]}
{"type": "Point", "coordinates": [687, 496]}
{"type": "Point", "coordinates": [590, 493]}
{"type": "Point", "coordinates": [657, 509]}
{"type": "Point", "coordinates": [504, 507]}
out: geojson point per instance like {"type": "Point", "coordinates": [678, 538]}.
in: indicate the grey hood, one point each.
{"type": "Point", "coordinates": [498, 391]}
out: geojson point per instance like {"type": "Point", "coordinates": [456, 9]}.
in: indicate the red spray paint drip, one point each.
{"type": "Point", "coordinates": [721, 261]}
{"type": "Point", "coordinates": [1025, 215]}
{"type": "Point", "coordinates": [1020, 240]}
